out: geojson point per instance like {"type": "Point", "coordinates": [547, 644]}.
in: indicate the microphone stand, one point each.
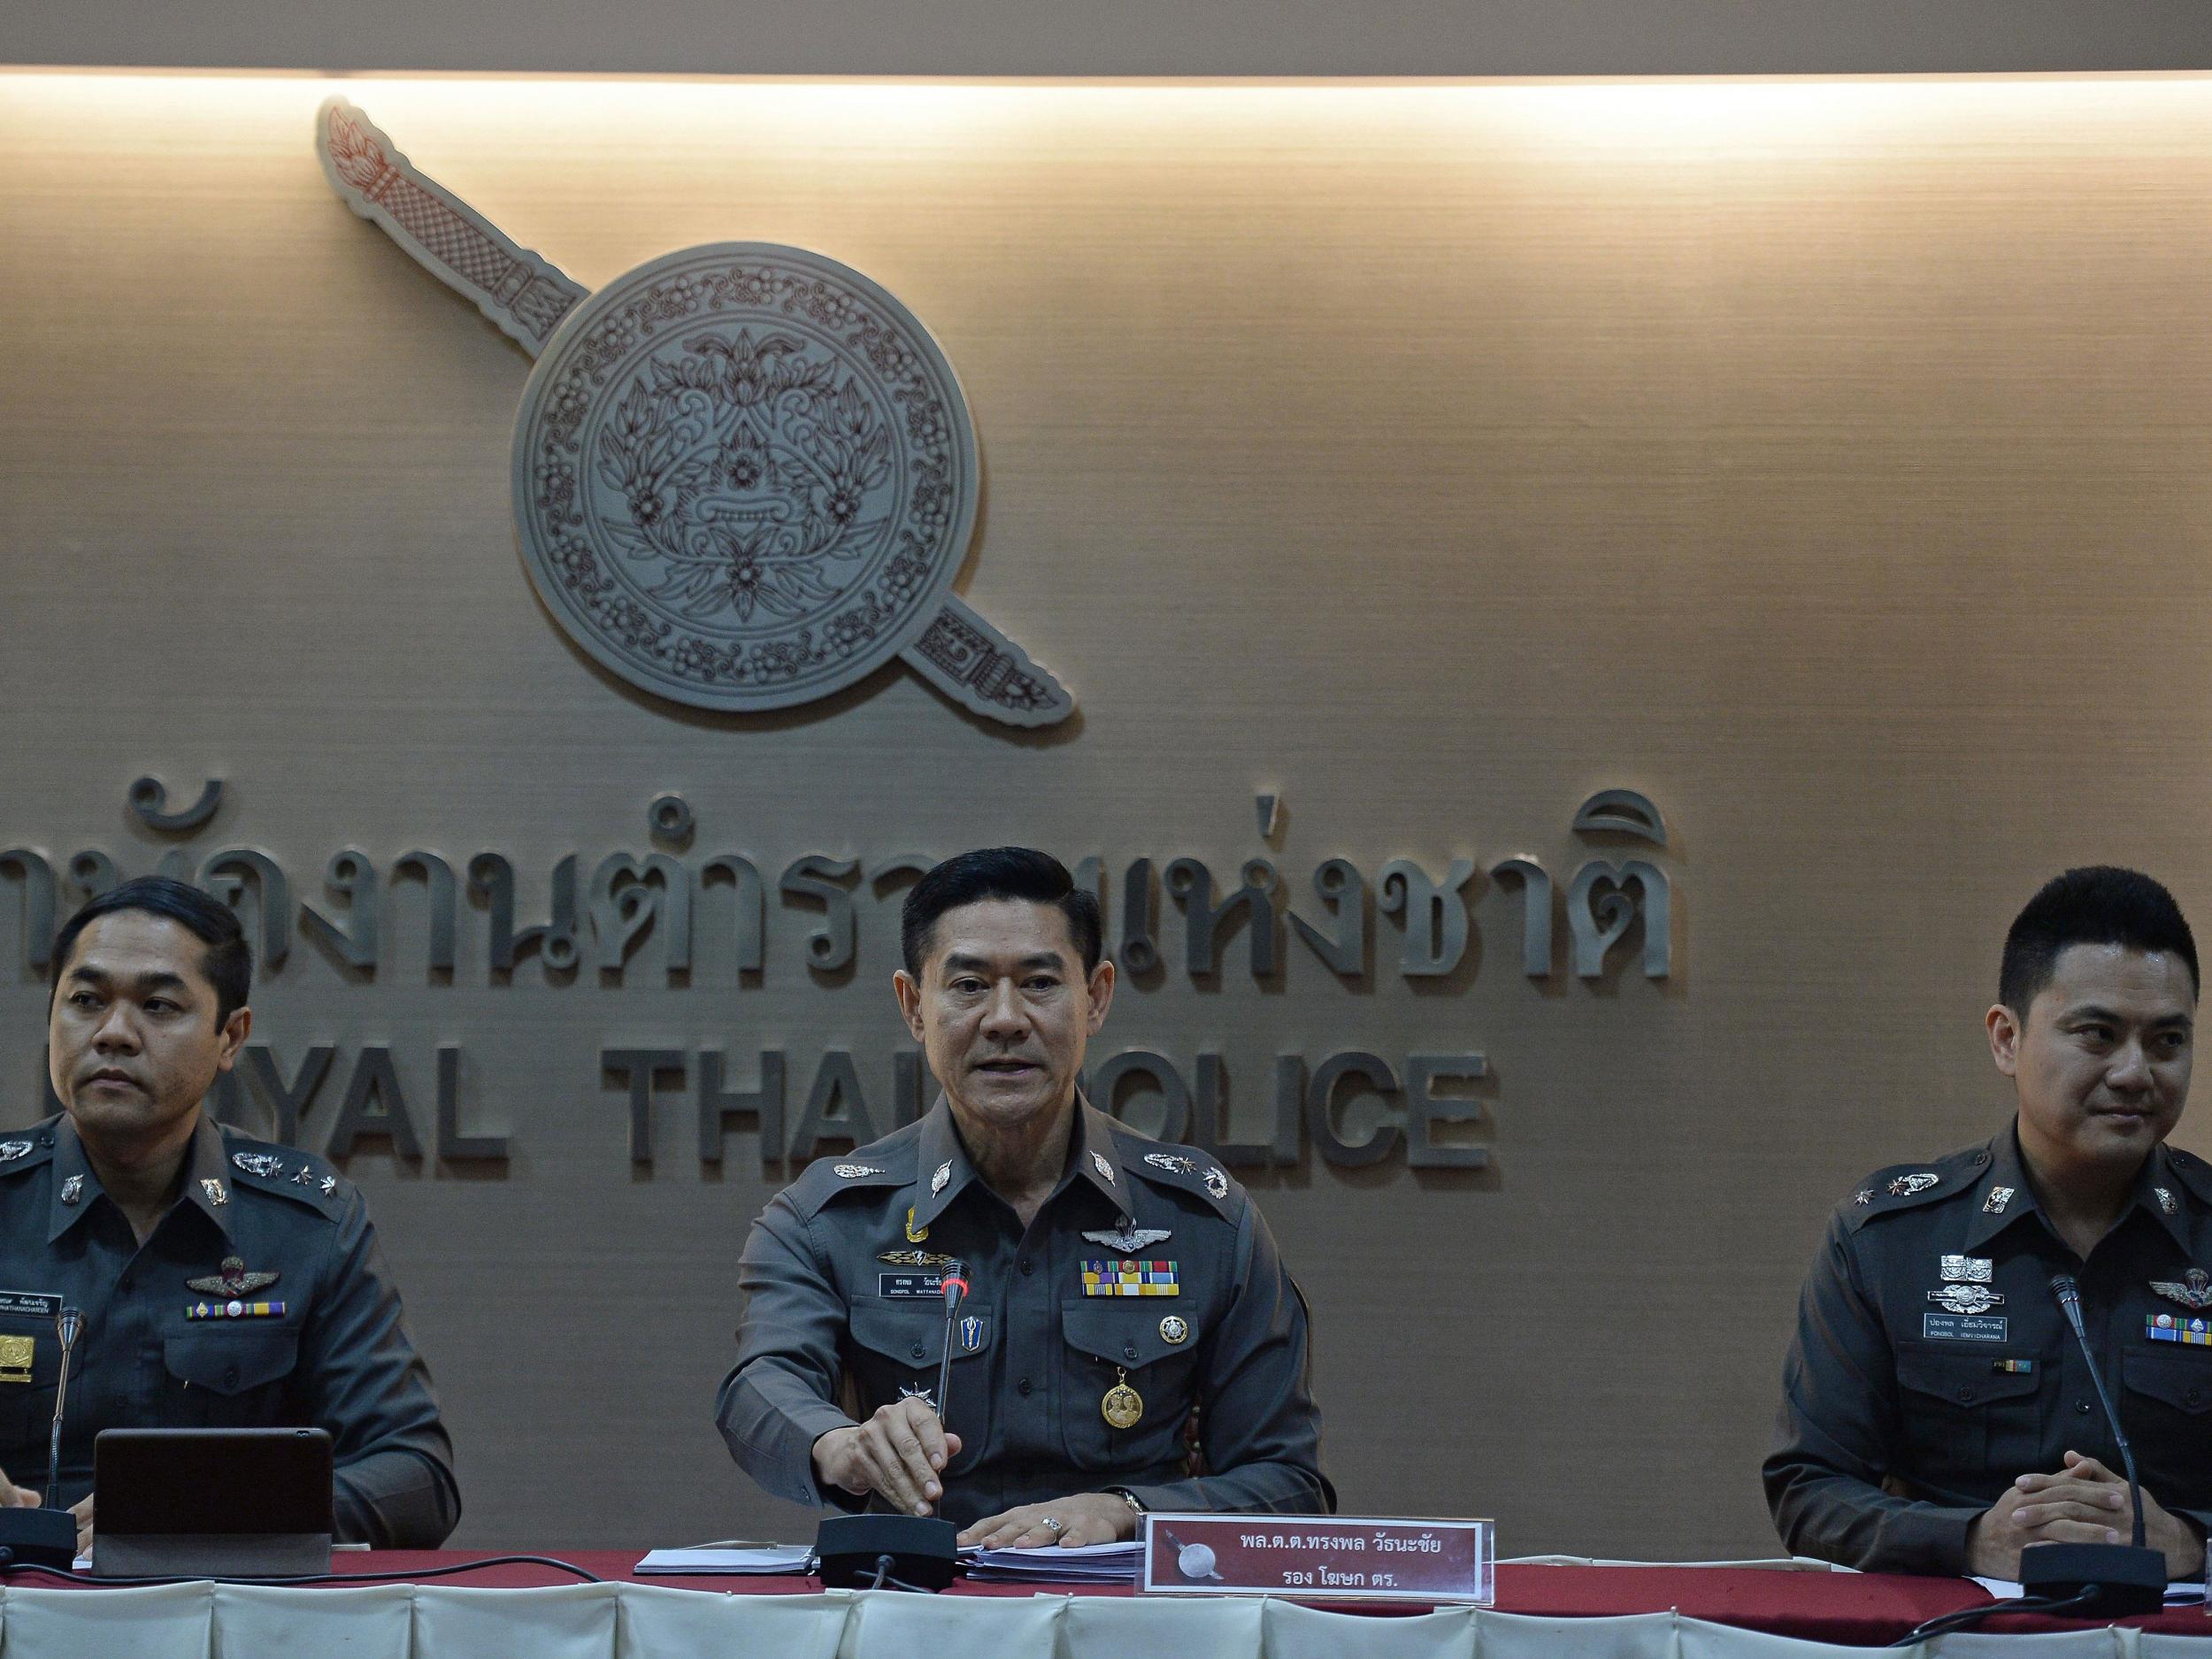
{"type": "Point", "coordinates": [904, 1552]}
{"type": "Point", "coordinates": [2109, 1580]}
{"type": "Point", "coordinates": [46, 1536]}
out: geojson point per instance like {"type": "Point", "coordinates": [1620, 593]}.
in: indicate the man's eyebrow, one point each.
{"type": "Point", "coordinates": [960, 962]}
{"type": "Point", "coordinates": [2111, 1017]}
{"type": "Point", "coordinates": [153, 979]}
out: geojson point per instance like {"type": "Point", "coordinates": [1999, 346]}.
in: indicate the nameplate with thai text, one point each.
{"type": "Point", "coordinates": [1315, 1557]}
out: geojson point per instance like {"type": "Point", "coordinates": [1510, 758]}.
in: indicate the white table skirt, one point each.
{"type": "Point", "coordinates": [630, 1621]}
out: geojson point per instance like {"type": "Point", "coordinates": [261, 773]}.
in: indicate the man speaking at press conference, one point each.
{"type": "Point", "coordinates": [223, 1283]}
{"type": "Point", "coordinates": [1938, 1413]}
{"type": "Point", "coordinates": [1116, 1284]}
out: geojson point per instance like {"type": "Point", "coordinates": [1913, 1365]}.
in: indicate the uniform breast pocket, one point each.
{"type": "Point", "coordinates": [233, 1377]}
{"type": "Point", "coordinates": [30, 1366]}
{"type": "Point", "coordinates": [2166, 1407]}
{"type": "Point", "coordinates": [1142, 1346]}
{"type": "Point", "coordinates": [1967, 1424]}
{"type": "Point", "coordinates": [897, 1347]}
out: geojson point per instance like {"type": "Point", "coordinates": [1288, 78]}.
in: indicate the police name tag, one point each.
{"type": "Point", "coordinates": [1963, 1327]}
{"type": "Point", "coordinates": [31, 1304]}
{"type": "Point", "coordinates": [1319, 1557]}
{"type": "Point", "coordinates": [916, 1286]}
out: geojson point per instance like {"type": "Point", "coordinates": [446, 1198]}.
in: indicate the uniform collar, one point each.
{"type": "Point", "coordinates": [2006, 1196]}
{"type": "Point", "coordinates": [942, 1169]}
{"type": "Point", "coordinates": [206, 1177]}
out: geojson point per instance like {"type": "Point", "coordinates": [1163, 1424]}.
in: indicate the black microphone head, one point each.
{"type": "Point", "coordinates": [2063, 1288]}
{"type": "Point", "coordinates": [68, 1324]}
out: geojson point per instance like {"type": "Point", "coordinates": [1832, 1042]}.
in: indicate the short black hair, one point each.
{"type": "Point", "coordinates": [2097, 904]}
{"type": "Point", "coordinates": [228, 963]}
{"type": "Point", "coordinates": [997, 872]}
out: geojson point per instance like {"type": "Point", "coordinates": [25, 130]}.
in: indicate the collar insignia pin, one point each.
{"type": "Point", "coordinates": [2195, 1292]}
{"type": "Point", "coordinates": [937, 1181]}
{"type": "Point", "coordinates": [1906, 1185]}
{"type": "Point", "coordinates": [330, 1185]}
{"type": "Point", "coordinates": [1967, 1299]}
{"type": "Point", "coordinates": [10, 1150]}
{"type": "Point", "coordinates": [1994, 1204]}
{"type": "Point", "coordinates": [72, 1189]}
{"type": "Point", "coordinates": [216, 1195]}
{"type": "Point", "coordinates": [258, 1163]}
{"type": "Point", "coordinates": [2165, 1199]}
{"type": "Point", "coordinates": [1173, 1166]}
{"type": "Point", "coordinates": [1217, 1183]}
{"type": "Point", "coordinates": [1129, 1240]}
{"type": "Point", "coordinates": [1969, 1270]}
{"type": "Point", "coordinates": [1105, 1169]}
{"type": "Point", "coordinates": [914, 1234]}
{"type": "Point", "coordinates": [1864, 1195]}
{"type": "Point", "coordinates": [854, 1171]}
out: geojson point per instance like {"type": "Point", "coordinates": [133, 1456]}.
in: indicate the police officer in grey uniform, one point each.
{"type": "Point", "coordinates": [1116, 1283]}
{"type": "Point", "coordinates": [1937, 1414]}
{"type": "Point", "coordinates": [224, 1282]}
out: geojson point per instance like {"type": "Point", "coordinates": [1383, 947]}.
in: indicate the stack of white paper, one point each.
{"type": "Point", "coordinates": [763, 1560]}
{"type": "Point", "coordinates": [1085, 1563]}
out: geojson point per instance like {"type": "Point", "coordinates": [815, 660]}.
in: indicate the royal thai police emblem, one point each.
{"type": "Point", "coordinates": [744, 476]}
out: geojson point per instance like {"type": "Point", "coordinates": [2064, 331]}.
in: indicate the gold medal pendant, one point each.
{"type": "Point", "coordinates": [1122, 1405]}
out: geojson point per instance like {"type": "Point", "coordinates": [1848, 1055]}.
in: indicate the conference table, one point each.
{"type": "Point", "coordinates": [1545, 1610]}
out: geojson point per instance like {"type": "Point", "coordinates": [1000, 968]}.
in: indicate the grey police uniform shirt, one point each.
{"type": "Point", "coordinates": [1932, 1365]}
{"type": "Point", "coordinates": [156, 1352]}
{"type": "Point", "coordinates": [842, 1272]}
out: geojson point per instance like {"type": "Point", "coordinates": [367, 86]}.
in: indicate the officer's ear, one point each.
{"type": "Point", "coordinates": [909, 996]}
{"type": "Point", "coordinates": [232, 1038]}
{"type": "Point", "coordinates": [2004, 1031]}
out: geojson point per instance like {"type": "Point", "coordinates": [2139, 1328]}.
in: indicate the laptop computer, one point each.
{"type": "Point", "coordinates": [242, 1504]}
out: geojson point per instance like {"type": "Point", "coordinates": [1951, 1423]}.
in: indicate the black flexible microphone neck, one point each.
{"type": "Point", "coordinates": [956, 1289]}
{"type": "Point", "coordinates": [2069, 1295]}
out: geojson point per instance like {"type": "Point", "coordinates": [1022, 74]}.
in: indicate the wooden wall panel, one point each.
{"type": "Point", "coordinates": [1826, 459]}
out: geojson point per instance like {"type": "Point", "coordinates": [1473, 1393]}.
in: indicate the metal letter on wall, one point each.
{"type": "Point", "coordinates": [30, 867]}
{"type": "Point", "coordinates": [1342, 890]}
{"type": "Point", "coordinates": [755, 503]}
{"type": "Point", "coordinates": [1535, 912]}
{"type": "Point", "coordinates": [825, 881]}
{"type": "Point", "coordinates": [1435, 915]}
{"type": "Point", "coordinates": [1597, 919]}
{"type": "Point", "coordinates": [226, 874]}
{"type": "Point", "coordinates": [1193, 884]}
{"type": "Point", "coordinates": [352, 940]}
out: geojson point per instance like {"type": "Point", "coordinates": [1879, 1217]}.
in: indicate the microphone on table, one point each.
{"type": "Point", "coordinates": [2115, 1579]}
{"type": "Point", "coordinates": [46, 1536]}
{"type": "Point", "coordinates": [901, 1551]}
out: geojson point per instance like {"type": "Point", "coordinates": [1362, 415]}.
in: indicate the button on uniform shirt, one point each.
{"type": "Point", "coordinates": [1933, 1366]}
{"type": "Point", "coordinates": [1148, 1266]}
{"type": "Point", "coordinates": [321, 1345]}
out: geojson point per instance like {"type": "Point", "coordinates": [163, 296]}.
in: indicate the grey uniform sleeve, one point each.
{"type": "Point", "coordinates": [780, 1397]}
{"type": "Point", "coordinates": [1258, 1423]}
{"type": "Point", "coordinates": [393, 1486]}
{"type": "Point", "coordinates": [1837, 1434]}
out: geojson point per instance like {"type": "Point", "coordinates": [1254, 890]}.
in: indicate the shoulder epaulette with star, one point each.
{"type": "Point", "coordinates": [886, 1163]}
{"type": "Point", "coordinates": [23, 1149]}
{"type": "Point", "coordinates": [1183, 1168]}
{"type": "Point", "coordinates": [267, 1166]}
{"type": "Point", "coordinates": [1904, 1186]}
{"type": "Point", "coordinates": [2192, 1172]}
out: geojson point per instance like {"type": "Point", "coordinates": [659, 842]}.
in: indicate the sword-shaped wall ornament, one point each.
{"type": "Point", "coordinates": [744, 475]}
